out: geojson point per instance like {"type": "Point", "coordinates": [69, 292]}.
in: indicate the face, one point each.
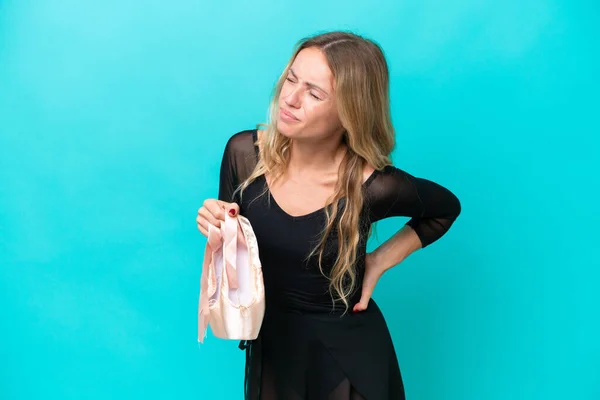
{"type": "Point", "coordinates": [308, 95]}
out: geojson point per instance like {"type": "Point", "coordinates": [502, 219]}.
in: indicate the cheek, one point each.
{"type": "Point", "coordinates": [321, 113]}
{"type": "Point", "coordinates": [286, 89]}
{"type": "Point", "coordinates": [283, 94]}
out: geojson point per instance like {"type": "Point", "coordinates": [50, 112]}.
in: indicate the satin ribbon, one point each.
{"type": "Point", "coordinates": [222, 239]}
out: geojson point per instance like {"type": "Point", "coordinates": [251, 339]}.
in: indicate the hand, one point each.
{"type": "Point", "coordinates": [372, 275]}
{"type": "Point", "coordinates": [213, 212]}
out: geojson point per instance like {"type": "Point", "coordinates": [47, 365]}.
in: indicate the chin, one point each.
{"type": "Point", "coordinates": [287, 130]}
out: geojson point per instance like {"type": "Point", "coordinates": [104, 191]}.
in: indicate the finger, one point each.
{"type": "Point", "coordinates": [208, 217]}
{"type": "Point", "coordinates": [203, 231]}
{"type": "Point", "coordinates": [233, 209]}
{"type": "Point", "coordinates": [216, 209]}
{"type": "Point", "coordinates": [367, 292]}
{"type": "Point", "coordinates": [362, 305]}
{"type": "Point", "coordinates": [202, 226]}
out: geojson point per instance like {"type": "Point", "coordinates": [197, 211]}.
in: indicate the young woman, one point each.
{"type": "Point", "coordinates": [311, 184]}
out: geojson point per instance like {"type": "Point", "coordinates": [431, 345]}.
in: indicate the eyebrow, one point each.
{"type": "Point", "coordinates": [312, 85]}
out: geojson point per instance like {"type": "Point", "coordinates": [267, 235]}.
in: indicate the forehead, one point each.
{"type": "Point", "coordinates": [311, 66]}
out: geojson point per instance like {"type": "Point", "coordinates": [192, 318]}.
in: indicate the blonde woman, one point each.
{"type": "Point", "coordinates": [312, 183]}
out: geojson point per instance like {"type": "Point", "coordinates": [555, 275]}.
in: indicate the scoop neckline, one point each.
{"type": "Point", "coordinates": [311, 214]}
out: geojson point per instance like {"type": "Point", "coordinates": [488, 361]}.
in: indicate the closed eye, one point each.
{"type": "Point", "coordinates": [313, 95]}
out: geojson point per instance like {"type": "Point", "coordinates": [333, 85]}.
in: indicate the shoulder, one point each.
{"type": "Point", "coordinates": [241, 154]}
{"type": "Point", "coordinates": [388, 183]}
{"type": "Point", "coordinates": [387, 176]}
{"type": "Point", "coordinates": [241, 143]}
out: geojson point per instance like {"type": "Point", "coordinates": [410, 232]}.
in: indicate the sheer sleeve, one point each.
{"type": "Point", "coordinates": [431, 207]}
{"type": "Point", "coordinates": [238, 162]}
{"type": "Point", "coordinates": [228, 180]}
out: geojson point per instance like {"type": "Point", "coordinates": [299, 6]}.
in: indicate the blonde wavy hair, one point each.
{"type": "Point", "coordinates": [361, 79]}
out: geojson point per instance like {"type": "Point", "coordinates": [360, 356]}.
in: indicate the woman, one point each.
{"type": "Point", "coordinates": [311, 184]}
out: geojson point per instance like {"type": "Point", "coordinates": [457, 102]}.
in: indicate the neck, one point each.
{"type": "Point", "coordinates": [319, 155]}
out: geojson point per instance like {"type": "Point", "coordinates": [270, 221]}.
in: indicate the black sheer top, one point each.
{"type": "Point", "coordinates": [285, 240]}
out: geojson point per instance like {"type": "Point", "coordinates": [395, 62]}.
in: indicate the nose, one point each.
{"type": "Point", "coordinates": [293, 97]}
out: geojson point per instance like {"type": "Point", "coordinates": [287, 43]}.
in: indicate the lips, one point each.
{"type": "Point", "coordinates": [289, 114]}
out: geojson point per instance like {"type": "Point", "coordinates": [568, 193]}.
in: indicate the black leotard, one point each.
{"type": "Point", "coordinates": [307, 348]}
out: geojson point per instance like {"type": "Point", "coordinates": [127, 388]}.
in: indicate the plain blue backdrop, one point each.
{"type": "Point", "coordinates": [113, 118]}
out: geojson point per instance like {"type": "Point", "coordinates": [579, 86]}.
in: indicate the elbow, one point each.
{"type": "Point", "coordinates": [457, 207]}
{"type": "Point", "coordinates": [453, 206]}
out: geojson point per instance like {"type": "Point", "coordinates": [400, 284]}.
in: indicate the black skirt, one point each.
{"type": "Point", "coordinates": [320, 356]}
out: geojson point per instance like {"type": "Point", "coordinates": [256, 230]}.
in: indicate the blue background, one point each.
{"type": "Point", "coordinates": [113, 118]}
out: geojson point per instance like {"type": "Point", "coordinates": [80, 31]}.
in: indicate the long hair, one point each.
{"type": "Point", "coordinates": [361, 79]}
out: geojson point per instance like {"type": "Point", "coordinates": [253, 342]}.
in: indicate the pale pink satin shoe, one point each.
{"type": "Point", "coordinates": [232, 293]}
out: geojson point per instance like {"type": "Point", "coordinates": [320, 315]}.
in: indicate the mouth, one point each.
{"type": "Point", "coordinates": [288, 114]}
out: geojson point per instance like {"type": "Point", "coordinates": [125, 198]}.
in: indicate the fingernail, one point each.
{"type": "Point", "coordinates": [232, 212]}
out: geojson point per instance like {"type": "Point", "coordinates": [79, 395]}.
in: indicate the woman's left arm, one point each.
{"type": "Point", "coordinates": [394, 250]}
{"type": "Point", "coordinates": [432, 209]}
